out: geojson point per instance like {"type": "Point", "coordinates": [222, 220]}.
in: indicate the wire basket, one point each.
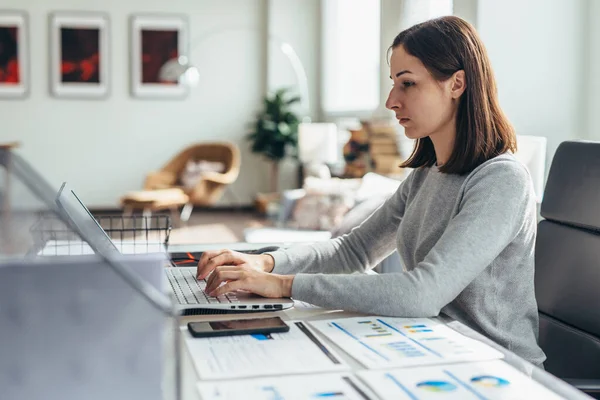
{"type": "Point", "coordinates": [130, 234]}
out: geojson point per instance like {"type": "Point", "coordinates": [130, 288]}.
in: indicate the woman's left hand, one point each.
{"type": "Point", "coordinates": [243, 277]}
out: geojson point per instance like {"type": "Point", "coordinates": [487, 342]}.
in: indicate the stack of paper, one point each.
{"type": "Point", "coordinates": [293, 352]}
{"type": "Point", "coordinates": [378, 342]}
{"type": "Point", "coordinates": [443, 364]}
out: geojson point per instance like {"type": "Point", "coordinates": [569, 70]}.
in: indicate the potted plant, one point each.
{"type": "Point", "coordinates": [274, 134]}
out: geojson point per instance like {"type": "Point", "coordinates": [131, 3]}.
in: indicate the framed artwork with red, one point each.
{"type": "Point", "coordinates": [14, 53]}
{"type": "Point", "coordinates": [158, 44]}
{"type": "Point", "coordinates": [79, 55]}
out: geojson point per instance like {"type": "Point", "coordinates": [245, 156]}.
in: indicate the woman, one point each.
{"type": "Point", "coordinates": [464, 221]}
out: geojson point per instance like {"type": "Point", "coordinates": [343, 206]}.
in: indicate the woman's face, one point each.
{"type": "Point", "coordinates": [423, 105]}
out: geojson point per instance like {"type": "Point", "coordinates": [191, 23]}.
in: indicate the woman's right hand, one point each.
{"type": "Point", "coordinates": [215, 258]}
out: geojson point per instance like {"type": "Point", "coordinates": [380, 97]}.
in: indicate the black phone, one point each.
{"type": "Point", "coordinates": [237, 327]}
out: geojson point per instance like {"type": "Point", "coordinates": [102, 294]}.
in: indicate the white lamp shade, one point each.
{"type": "Point", "coordinates": [317, 142]}
{"type": "Point", "coordinates": [531, 151]}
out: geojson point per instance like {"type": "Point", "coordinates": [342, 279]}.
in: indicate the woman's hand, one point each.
{"type": "Point", "coordinates": [245, 277]}
{"type": "Point", "coordinates": [215, 258]}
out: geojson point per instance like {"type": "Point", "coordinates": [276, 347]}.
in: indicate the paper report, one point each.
{"type": "Point", "coordinates": [378, 342]}
{"type": "Point", "coordinates": [293, 352]}
{"type": "Point", "coordinates": [488, 380]}
{"type": "Point", "coordinates": [323, 386]}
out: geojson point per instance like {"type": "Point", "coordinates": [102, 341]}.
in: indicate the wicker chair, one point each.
{"type": "Point", "coordinates": [212, 185]}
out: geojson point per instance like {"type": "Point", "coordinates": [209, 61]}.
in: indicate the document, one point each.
{"type": "Point", "coordinates": [489, 380]}
{"type": "Point", "coordinates": [301, 305]}
{"type": "Point", "coordinates": [378, 342]}
{"type": "Point", "coordinates": [323, 386]}
{"type": "Point", "coordinates": [78, 248]}
{"type": "Point", "coordinates": [294, 352]}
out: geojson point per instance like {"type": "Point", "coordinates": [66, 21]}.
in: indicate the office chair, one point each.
{"type": "Point", "coordinates": [567, 262]}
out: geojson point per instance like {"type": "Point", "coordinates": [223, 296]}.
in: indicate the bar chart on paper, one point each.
{"type": "Point", "coordinates": [402, 342]}
{"type": "Point", "coordinates": [313, 387]}
{"type": "Point", "coordinates": [489, 380]}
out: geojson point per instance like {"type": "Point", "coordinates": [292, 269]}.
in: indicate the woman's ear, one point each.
{"type": "Point", "coordinates": [459, 84]}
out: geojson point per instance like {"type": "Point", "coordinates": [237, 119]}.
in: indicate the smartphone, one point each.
{"type": "Point", "coordinates": [237, 327]}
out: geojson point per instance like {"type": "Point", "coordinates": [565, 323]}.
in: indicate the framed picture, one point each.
{"type": "Point", "coordinates": [14, 54]}
{"type": "Point", "coordinates": [157, 42]}
{"type": "Point", "coordinates": [79, 54]}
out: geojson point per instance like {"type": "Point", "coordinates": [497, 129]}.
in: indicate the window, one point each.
{"type": "Point", "coordinates": [351, 55]}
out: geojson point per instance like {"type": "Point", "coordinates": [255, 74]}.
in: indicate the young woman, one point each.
{"type": "Point", "coordinates": [464, 221]}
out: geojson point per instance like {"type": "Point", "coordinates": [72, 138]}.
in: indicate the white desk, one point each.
{"type": "Point", "coordinates": [190, 377]}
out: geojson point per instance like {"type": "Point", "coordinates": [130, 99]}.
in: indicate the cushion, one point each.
{"type": "Point", "coordinates": [335, 186]}
{"type": "Point", "coordinates": [320, 211]}
{"type": "Point", "coordinates": [375, 185]}
{"type": "Point", "coordinates": [195, 170]}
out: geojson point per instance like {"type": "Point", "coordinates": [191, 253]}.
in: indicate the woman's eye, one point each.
{"type": "Point", "coordinates": [408, 83]}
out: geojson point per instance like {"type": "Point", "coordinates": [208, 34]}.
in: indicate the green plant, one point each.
{"type": "Point", "coordinates": [275, 131]}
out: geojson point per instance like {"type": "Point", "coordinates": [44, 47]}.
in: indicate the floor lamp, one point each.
{"type": "Point", "coordinates": [182, 70]}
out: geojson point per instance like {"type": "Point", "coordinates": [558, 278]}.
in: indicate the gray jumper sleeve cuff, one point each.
{"type": "Point", "coordinates": [282, 263]}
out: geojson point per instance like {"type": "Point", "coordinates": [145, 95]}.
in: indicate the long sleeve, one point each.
{"type": "Point", "coordinates": [362, 249]}
{"type": "Point", "coordinates": [495, 205]}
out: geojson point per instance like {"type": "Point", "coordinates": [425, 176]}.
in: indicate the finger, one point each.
{"type": "Point", "coordinates": [226, 258]}
{"type": "Point", "coordinates": [207, 264]}
{"type": "Point", "coordinates": [210, 263]}
{"type": "Point", "coordinates": [204, 258]}
{"type": "Point", "coordinates": [223, 277]}
{"type": "Point", "coordinates": [227, 288]}
{"type": "Point", "coordinates": [216, 272]}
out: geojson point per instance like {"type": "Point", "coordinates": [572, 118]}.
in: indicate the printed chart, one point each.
{"type": "Point", "coordinates": [490, 380]}
{"type": "Point", "coordinates": [379, 342]}
{"type": "Point", "coordinates": [294, 352]}
{"type": "Point", "coordinates": [305, 387]}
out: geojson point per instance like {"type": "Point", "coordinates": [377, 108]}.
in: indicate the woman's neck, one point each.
{"type": "Point", "coordinates": [443, 143]}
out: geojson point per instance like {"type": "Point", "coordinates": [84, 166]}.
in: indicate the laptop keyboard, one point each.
{"type": "Point", "coordinates": [189, 290]}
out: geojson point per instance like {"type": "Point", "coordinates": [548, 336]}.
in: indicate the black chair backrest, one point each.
{"type": "Point", "coordinates": [567, 262]}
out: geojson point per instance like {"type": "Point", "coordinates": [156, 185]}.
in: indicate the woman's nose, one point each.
{"type": "Point", "coordinates": [392, 102]}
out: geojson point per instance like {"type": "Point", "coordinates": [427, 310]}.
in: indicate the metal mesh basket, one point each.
{"type": "Point", "coordinates": [130, 234]}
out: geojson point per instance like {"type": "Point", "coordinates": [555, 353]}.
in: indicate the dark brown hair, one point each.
{"type": "Point", "coordinates": [446, 45]}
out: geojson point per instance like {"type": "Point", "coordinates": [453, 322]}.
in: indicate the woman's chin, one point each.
{"type": "Point", "coordinates": [411, 133]}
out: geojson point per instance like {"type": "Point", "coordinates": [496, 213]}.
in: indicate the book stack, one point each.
{"type": "Point", "coordinates": [383, 148]}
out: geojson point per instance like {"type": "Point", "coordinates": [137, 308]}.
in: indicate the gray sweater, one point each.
{"type": "Point", "coordinates": [467, 245]}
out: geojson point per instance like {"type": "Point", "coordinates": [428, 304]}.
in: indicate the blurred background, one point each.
{"type": "Point", "coordinates": [108, 95]}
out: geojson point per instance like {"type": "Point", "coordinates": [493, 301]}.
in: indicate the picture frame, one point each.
{"type": "Point", "coordinates": [79, 54]}
{"type": "Point", "coordinates": [155, 40]}
{"type": "Point", "coordinates": [14, 54]}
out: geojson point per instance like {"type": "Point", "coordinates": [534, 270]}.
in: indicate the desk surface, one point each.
{"type": "Point", "coordinates": [190, 377]}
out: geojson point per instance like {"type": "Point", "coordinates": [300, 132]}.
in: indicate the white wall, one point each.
{"type": "Point", "coordinates": [593, 75]}
{"type": "Point", "coordinates": [105, 147]}
{"type": "Point", "coordinates": [466, 9]}
{"type": "Point", "coordinates": [298, 23]}
{"type": "Point", "coordinates": [538, 52]}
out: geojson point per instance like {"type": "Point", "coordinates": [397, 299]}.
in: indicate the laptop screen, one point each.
{"type": "Point", "coordinates": [73, 209]}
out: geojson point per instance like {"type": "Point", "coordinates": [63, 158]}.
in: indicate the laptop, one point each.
{"type": "Point", "coordinates": [186, 289]}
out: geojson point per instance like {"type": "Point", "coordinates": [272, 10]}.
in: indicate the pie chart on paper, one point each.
{"type": "Point", "coordinates": [437, 386]}
{"type": "Point", "coordinates": [489, 381]}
